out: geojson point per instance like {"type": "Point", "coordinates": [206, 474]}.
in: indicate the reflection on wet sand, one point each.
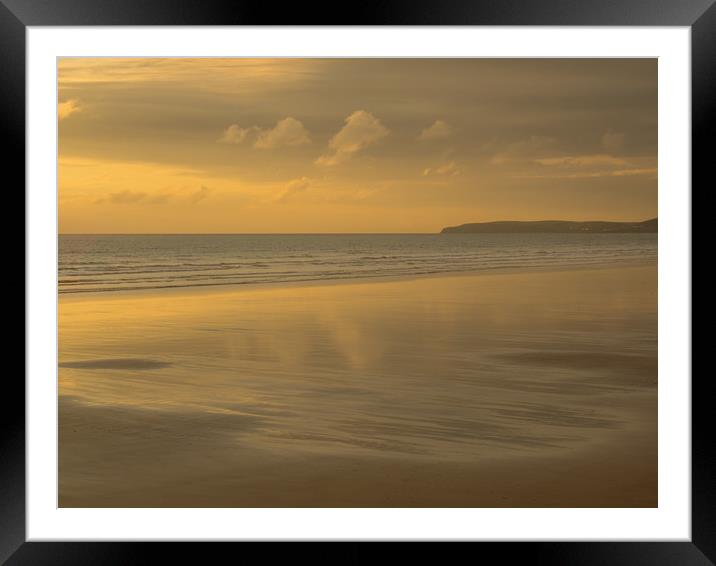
{"type": "Point", "coordinates": [120, 363]}
{"type": "Point", "coordinates": [513, 389]}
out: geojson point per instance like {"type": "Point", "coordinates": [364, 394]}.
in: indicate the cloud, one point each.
{"type": "Point", "coordinates": [522, 149]}
{"type": "Point", "coordinates": [642, 171]}
{"type": "Point", "coordinates": [162, 198]}
{"type": "Point", "coordinates": [361, 130]}
{"type": "Point", "coordinates": [126, 197]}
{"type": "Point", "coordinates": [630, 172]}
{"type": "Point", "coordinates": [287, 132]}
{"type": "Point", "coordinates": [439, 130]}
{"type": "Point", "coordinates": [536, 150]}
{"type": "Point", "coordinates": [235, 134]}
{"type": "Point", "coordinates": [252, 76]}
{"type": "Point", "coordinates": [294, 186]}
{"type": "Point", "coordinates": [612, 141]}
{"type": "Point", "coordinates": [67, 108]}
{"type": "Point", "coordinates": [597, 160]}
{"type": "Point", "coordinates": [199, 195]}
{"type": "Point", "coordinates": [592, 166]}
{"type": "Point", "coordinates": [450, 168]}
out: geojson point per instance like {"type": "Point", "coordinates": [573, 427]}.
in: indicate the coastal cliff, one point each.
{"type": "Point", "coordinates": [555, 227]}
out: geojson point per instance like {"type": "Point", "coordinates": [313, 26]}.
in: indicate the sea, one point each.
{"type": "Point", "coordinates": [108, 263]}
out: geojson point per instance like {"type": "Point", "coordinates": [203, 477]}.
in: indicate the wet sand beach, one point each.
{"type": "Point", "coordinates": [531, 388]}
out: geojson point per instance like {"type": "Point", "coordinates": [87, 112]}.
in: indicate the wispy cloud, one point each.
{"type": "Point", "coordinates": [450, 169]}
{"type": "Point", "coordinates": [199, 195]}
{"type": "Point", "coordinates": [164, 196]}
{"type": "Point", "coordinates": [591, 166]}
{"type": "Point", "coordinates": [293, 187]}
{"type": "Point", "coordinates": [645, 171]}
{"type": "Point", "coordinates": [438, 130]}
{"type": "Point", "coordinates": [67, 108]}
{"type": "Point", "coordinates": [575, 161]}
{"type": "Point", "coordinates": [522, 149]}
{"type": "Point", "coordinates": [126, 197]}
{"type": "Point", "coordinates": [361, 130]}
{"type": "Point", "coordinates": [215, 75]}
{"type": "Point", "coordinates": [161, 198]}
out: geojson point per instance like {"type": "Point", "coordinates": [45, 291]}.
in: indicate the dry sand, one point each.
{"type": "Point", "coordinates": [533, 389]}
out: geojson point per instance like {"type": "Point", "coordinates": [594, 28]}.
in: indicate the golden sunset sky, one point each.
{"type": "Point", "coordinates": [352, 145]}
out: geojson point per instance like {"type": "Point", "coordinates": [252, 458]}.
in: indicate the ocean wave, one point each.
{"type": "Point", "coordinates": [117, 263]}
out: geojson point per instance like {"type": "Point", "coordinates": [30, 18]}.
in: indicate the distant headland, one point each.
{"type": "Point", "coordinates": [554, 227]}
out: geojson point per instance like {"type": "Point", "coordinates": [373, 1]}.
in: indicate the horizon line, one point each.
{"type": "Point", "coordinates": [337, 233]}
{"type": "Point", "coordinates": [243, 233]}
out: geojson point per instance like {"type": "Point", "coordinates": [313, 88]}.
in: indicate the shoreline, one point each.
{"type": "Point", "coordinates": [527, 388]}
{"type": "Point", "coordinates": [226, 288]}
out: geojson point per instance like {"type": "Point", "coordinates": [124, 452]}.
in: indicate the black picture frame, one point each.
{"type": "Point", "coordinates": [16, 15]}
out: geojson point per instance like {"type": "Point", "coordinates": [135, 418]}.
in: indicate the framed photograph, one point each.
{"type": "Point", "coordinates": [423, 275]}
